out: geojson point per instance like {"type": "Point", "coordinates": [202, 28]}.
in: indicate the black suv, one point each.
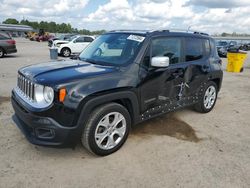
{"type": "Point", "coordinates": [121, 79]}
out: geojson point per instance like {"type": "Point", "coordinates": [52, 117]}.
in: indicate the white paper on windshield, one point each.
{"type": "Point", "coordinates": [137, 38]}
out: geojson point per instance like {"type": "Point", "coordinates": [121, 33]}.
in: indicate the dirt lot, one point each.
{"type": "Point", "coordinates": [181, 149]}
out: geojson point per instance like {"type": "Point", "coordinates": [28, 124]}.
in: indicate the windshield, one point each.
{"type": "Point", "coordinates": [112, 49]}
{"type": "Point", "coordinates": [71, 38]}
{"type": "Point", "coordinates": [222, 43]}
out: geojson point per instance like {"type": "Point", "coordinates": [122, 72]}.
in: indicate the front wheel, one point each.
{"type": "Point", "coordinates": [208, 99]}
{"type": "Point", "coordinates": [66, 52]}
{"type": "Point", "coordinates": [107, 129]}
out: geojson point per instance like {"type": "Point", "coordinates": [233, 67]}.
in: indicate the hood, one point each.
{"type": "Point", "coordinates": [61, 41]}
{"type": "Point", "coordinates": [58, 72]}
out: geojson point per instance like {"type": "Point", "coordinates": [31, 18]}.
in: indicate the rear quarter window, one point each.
{"type": "Point", "coordinates": [207, 46]}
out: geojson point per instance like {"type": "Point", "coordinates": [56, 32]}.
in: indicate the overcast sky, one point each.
{"type": "Point", "coordinates": [212, 16]}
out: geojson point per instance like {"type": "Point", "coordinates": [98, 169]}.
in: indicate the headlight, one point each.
{"type": "Point", "coordinates": [44, 95]}
{"type": "Point", "coordinates": [58, 45]}
{"type": "Point", "coordinates": [48, 94]}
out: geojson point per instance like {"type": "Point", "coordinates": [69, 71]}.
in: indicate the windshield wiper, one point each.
{"type": "Point", "coordinates": [88, 60]}
{"type": "Point", "coordinates": [96, 62]}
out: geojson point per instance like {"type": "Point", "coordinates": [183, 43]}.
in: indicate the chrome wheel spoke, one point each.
{"type": "Point", "coordinates": [118, 118]}
{"type": "Point", "coordinates": [104, 122]}
{"type": "Point", "coordinates": [120, 131]}
{"type": "Point", "coordinates": [111, 143]}
{"type": "Point", "coordinates": [101, 136]}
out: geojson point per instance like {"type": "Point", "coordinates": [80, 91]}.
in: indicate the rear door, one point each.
{"type": "Point", "coordinates": [197, 58]}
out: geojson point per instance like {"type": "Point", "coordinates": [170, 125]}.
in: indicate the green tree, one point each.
{"type": "Point", "coordinates": [53, 27]}
{"type": "Point", "coordinates": [11, 21]}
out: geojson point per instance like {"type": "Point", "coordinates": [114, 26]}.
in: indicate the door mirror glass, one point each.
{"type": "Point", "coordinates": [160, 61]}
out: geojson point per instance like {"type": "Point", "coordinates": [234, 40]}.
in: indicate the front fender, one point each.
{"type": "Point", "coordinates": [89, 104]}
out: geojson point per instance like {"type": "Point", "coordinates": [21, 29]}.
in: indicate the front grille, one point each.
{"type": "Point", "coordinates": [26, 86]}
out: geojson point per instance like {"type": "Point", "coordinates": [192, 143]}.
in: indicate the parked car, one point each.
{"type": "Point", "coordinates": [224, 46]}
{"type": "Point", "coordinates": [121, 79]}
{"type": "Point", "coordinates": [60, 38]}
{"type": "Point", "coordinates": [44, 37]}
{"type": "Point", "coordinates": [7, 44]}
{"type": "Point", "coordinates": [245, 47]}
{"type": "Point", "coordinates": [75, 46]}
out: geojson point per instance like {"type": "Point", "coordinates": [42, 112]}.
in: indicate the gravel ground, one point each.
{"type": "Point", "coordinates": [181, 149]}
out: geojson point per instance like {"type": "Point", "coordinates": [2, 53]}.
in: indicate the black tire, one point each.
{"type": "Point", "coordinates": [66, 52]}
{"type": "Point", "coordinates": [88, 136]}
{"type": "Point", "coordinates": [1, 53]}
{"type": "Point", "coordinates": [200, 106]}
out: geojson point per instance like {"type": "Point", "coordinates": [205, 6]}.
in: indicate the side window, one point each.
{"type": "Point", "coordinates": [170, 47]}
{"type": "Point", "coordinates": [80, 39]}
{"type": "Point", "coordinates": [193, 49]}
{"type": "Point", "coordinates": [207, 46]}
{"type": "Point", "coordinates": [3, 37]}
{"type": "Point", "coordinates": [213, 46]}
{"type": "Point", "coordinates": [88, 39]}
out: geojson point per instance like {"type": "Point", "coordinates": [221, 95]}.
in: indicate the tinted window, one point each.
{"type": "Point", "coordinates": [80, 39]}
{"type": "Point", "coordinates": [193, 49]}
{"type": "Point", "coordinates": [169, 47]}
{"type": "Point", "coordinates": [88, 39]}
{"type": "Point", "coordinates": [222, 43]}
{"type": "Point", "coordinates": [113, 49]}
{"type": "Point", "coordinates": [207, 46]}
{"type": "Point", "coordinates": [213, 46]}
{"type": "Point", "coordinates": [4, 36]}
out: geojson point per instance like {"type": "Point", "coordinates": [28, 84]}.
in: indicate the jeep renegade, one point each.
{"type": "Point", "coordinates": [121, 79]}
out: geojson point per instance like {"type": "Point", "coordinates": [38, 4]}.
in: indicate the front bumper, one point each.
{"type": "Point", "coordinates": [43, 130]}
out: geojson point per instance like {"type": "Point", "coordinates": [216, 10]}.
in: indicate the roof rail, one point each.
{"type": "Point", "coordinates": [129, 30]}
{"type": "Point", "coordinates": [161, 30]}
{"type": "Point", "coordinates": [181, 30]}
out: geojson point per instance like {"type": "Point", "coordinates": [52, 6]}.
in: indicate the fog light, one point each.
{"type": "Point", "coordinates": [45, 133]}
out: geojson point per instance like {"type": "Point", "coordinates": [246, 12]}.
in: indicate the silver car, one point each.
{"type": "Point", "coordinates": [7, 44]}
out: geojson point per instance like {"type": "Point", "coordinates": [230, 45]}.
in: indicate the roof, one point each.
{"type": "Point", "coordinates": [163, 32]}
{"type": "Point", "coordinates": [14, 27]}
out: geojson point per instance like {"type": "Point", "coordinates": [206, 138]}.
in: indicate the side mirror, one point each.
{"type": "Point", "coordinates": [160, 61]}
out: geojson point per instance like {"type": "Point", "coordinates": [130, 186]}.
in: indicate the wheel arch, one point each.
{"type": "Point", "coordinates": [217, 81]}
{"type": "Point", "coordinates": [64, 47]}
{"type": "Point", "coordinates": [128, 99]}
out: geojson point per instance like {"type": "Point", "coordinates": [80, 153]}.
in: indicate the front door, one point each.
{"type": "Point", "coordinates": [161, 86]}
{"type": "Point", "coordinates": [78, 45]}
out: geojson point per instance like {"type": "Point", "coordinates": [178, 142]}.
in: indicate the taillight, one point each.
{"type": "Point", "coordinates": [11, 41]}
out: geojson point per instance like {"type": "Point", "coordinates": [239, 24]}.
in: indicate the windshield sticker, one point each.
{"type": "Point", "coordinates": [136, 38]}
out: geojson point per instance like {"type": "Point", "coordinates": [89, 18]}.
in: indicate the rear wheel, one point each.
{"type": "Point", "coordinates": [1, 52]}
{"type": "Point", "coordinates": [107, 129]}
{"type": "Point", "coordinates": [208, 98]}
{"type": "Point", "coordinates": [66, 52]}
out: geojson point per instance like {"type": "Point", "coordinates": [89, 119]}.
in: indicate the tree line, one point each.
{"type": "Point", "coordinates": [53, 27]}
